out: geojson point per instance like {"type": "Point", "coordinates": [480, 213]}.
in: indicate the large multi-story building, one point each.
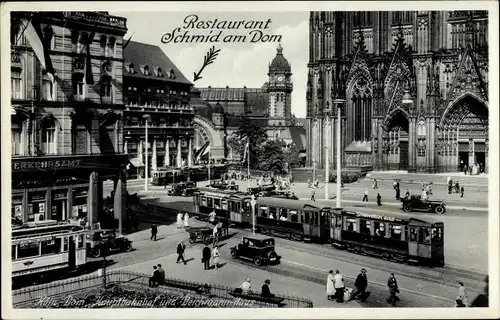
{"type": "Point", "coordinates": [67, 114]}
{"type": "Point", "coordinates": [413, 86]}
{"type": "Point", "coordinates": [219, 110]}
{"type": "Point", "coordinates": [156, 93]}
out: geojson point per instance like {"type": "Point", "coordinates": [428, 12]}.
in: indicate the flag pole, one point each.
{"type": "Point", "coordinates": [248, 163]}
{"type": "Point", "coordinates": [209, 166]}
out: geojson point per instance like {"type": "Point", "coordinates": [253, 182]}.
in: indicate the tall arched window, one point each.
{"type": "Point", "coordinates": [47, 87]}
{"type": "Point", "coordinates": [17, 136]}
{"type": "Point", "coordinates": [362, 106]}
{"type": "Point", "coordinates": [48, 139]}
{"type": "Point", "coordinates": [106, 89]}
{"type": "Point", "coordinates": [111, 47]}
{"type": "Point", "coordinates": [103, 42]}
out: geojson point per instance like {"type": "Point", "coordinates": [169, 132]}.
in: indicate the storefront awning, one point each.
{"type": "Point", "coordinates": [136, 162]}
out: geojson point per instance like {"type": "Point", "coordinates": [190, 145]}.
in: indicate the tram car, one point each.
{"type": "Point", "coordinates": [166, 176]}
{"type": "Point", "coordinates": [47, 247]}
{"type": "Point", "coordinates": [396, 237]}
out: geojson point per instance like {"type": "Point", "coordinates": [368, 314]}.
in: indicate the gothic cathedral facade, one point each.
{"type": "Point", "coordinates": [412, 86]}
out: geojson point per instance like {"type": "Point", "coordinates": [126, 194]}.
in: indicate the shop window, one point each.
{"type": "Point", "coordinates": [365, 226]}
{"type": "Point", "coordinates": [395, 232]}
{"type": "Point", "coordinates": [17, 136]}
{"type": "Point", "coordinates": [379, 229]}
{"type": "Point", "coordinates": [16, 84]}
{"type": "Point", "coordinates": [59, 204]}
{"type": "Point", "coordinates": [17, 209]}
{"type": "Point", "coordinates": [294, 217]}
{"type": "Point", "coordinates": [48, 132]}
{"type": "Point", "coordinates": [351, 225]}
{"type": "Point", "coordinates": [79, 209]}
{"type": "Point", "coordinates": [27, 250]}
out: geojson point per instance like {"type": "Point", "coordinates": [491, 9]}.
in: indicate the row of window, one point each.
{"type": "Point", "coordinates": [157, 72]}
{"type": "Point", "coordinates": [48, 138]}
{"type": "Point", "coordinates": [44, 247]}
{"type": "Point", "coordinates": [157, 90]}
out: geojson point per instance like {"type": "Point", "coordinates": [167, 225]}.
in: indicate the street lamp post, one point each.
{"type": "Point", "coordinates": [253, 203]}
{"type": "Point", "coordinates": [327, 158]}
{"type": "Point", "coordinates": [339, 103]}
{"type": "Point", "coordinates": [146, 117]}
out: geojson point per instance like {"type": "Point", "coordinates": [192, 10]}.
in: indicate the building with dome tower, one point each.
{"type": "Point", "coordinates": [219, 110]}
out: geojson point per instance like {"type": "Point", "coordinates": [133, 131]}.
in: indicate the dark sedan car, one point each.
{"type": "Point", "coordinates": [417, 203]}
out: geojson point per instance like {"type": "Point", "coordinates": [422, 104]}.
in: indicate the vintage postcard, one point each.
{"type": "Point", "coordinates": [302, 160]}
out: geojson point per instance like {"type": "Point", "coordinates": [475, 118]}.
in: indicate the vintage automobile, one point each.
{"type": "Point", "coordinates": [259, 249]}
{"type": "Point", "coordinates": [262, 191]}
{"type": "Point", "coordinates": [218, 184]}
{"type": "Point", "coordinates": [284, 194]}
{"type": "Point", "coordinates": [417, 203]}
{"type": "Point", "coordinates": [184, 189]}
{"type": "Point", "coordinates": [99, 241]}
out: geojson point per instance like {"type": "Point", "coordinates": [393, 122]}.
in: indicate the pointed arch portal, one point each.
{"type": "Point", "coordinates": [463, 135]}
{"type": "Point", "coordinates": [395, 140]}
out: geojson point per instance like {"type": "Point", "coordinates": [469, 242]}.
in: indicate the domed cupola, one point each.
{"type": "Point", "coordinates": [279, 63]}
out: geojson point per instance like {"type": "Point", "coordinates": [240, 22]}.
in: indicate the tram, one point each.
{"type": "Point", "coordinates": [167, 176]}
{"type": "Point", "coordinates": [396, 236]}
{"type": "Point", "coordinates": [45, 247]}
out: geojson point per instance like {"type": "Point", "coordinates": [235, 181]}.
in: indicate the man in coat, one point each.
{"type": "Point", "coordinates": [338, 282]}
{"type": "Point", "coordinates": [360, 284]}
{"type": "Point", "coordinates": [155, 279]}
{"type": "Point", "coordinates": [392, 284]}
{"type": "Point", "coordinates": [181, 247]}
{"type": "Point", "coordinates": [162, 273]}
{"type": "Point", "coordinates": [266, 293]}
{"type": "Point", "coordinates": [154, 232]}
{"type": "Point", "coordinates": [205, 258]}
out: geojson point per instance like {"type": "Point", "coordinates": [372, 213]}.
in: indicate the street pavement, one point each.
{"type": "Point", "coordinates": [307, 262]}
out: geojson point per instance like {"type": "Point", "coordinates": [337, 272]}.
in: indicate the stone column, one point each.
{"type": "Point", "coordinates": [179, 154]}
{"type": "Point", "coordinates": [93, 198]}
{"type": "Point", "coordinates": [190, 152]}
{"type": "Point", "coordinates": [125, 146]}
{"type": "Point", "coordinates": [139, 150]}
{"type": "Point", "coordinates": [154, 159]}
{"type": "Point", "coordinates": [411, 144]}
{"type": "Point", "coordinates": [166, 163]}
{"type": "Point", "coordinates": [120, 200]}
{"type": "Point", "coordinates": [471, 152]}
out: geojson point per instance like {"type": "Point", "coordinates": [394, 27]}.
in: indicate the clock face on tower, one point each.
{"type": "Point", "coordinates": [281, 78]}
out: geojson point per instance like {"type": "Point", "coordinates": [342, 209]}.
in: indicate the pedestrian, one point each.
{"type": "Point", "coordinates": [186, 220]}
{"type": "Point", "coordinates": [225, 226]}
{"type": "Point", "coordinates": [379, 199]}
{"type": "Point", "coordinates": [462, 192]}
{"type": "Point", "coordinates": [181, 247]}
{"type": "Point", "coordinates": [424, 195]}
{"type": "Point", "coordinates": [457, 187]}
{"type": "Point", "coordinates": [211, 217]}
{"type": "Point", "coordinates": [330, 290]}
{"type": "Point", "coordinates": [313, 192]}
{"type": "Point", "coordinates": [179, 220]}
{"type": "Point", "coordinates": [246, 286]}
{"type": "Point", "coordinates": [215, 234]}
{"type": "Point", "coordinates": [205, 258]}
{"type": "Point", "coordinates": [266, 292]}
{"type": "Point", "coordinates": [155, 278]}
{"type": "Point", "coordinates": [407, 194]}
{"type": "Point", "coordinates": [462, 296]}
{"type": "Point", "coordinates": [154, 232]}
{"type": "Point", "coordinates": [365, 197]}
{"type": "Point", "coordinates": [394, 184]}
{"type": "Point", "coordinates": [361, 284]}
{"type": "Point", "coordinates": [393, 290]}
{"type": "Point", "coordinates": [398, 194]}
{"type": "Point", "coordinates": [465, 170]}
{"type": "Point", "coordinates": [375, 184]}
{"type": "Point", "coordinates": [162, 273]}
{"type": "Point", "coordinates": [216, 256]}
{"type": "Point", "coordinates": [339, 285]}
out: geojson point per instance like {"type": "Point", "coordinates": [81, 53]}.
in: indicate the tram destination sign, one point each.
{"type": "Point", "coordinates": [374, 216]}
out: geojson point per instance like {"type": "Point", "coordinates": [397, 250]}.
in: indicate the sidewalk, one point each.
{"type": "Point", "coordinates": [232, 275]}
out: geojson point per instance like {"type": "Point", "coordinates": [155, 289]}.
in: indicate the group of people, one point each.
{"type": "Point", "coordinates": [336, 289]}
{"type": "Point", "coordinates": [379, 197]}
{"type": "Point", "coordinates": [476, 168]}
{"type": "Point", "coordinates": [182, 217]}
{"type": "Point", "coordinates": [158, 276]}
{"type": "Point", "coordinates": [207, 254]}
{"type": "Point", "coordinates": [246, 288]}
{"type": "Point", "coordinates": [454, 186]}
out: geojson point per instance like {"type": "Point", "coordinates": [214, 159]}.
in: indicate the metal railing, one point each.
{"type": "Point", "coordinates": [200, 294]}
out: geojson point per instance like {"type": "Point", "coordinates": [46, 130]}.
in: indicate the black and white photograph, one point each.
{"type": "Point", "coordinates": [264, 155]}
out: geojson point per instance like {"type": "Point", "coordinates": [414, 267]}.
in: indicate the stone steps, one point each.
{"type": "Point", "coordinates": [476, 181]}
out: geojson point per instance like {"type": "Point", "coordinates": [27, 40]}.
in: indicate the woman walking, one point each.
{"type": "Point", "coordinates": [462, 296]}
{"type": "Point", "coordinates": [216, 255]}
{"type": "Point", "coordinates": [186, 220]}
{"type": "Point", "coordinates": [330, 291]}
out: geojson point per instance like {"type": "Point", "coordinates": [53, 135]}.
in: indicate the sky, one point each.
{"type": "Point", "coordinates": [239, 63]}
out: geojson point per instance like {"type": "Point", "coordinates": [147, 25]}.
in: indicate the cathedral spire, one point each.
{"type": "Point", "coordinates": [279, 49]}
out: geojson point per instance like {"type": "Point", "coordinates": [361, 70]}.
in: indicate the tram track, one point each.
{"type": "Point", "coordinates": [448, 275]}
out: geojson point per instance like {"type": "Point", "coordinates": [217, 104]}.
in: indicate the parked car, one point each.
{"type": "Point", "coordinates": [184, 189]}
{"type": "Point", "coordinates": [417, 203]}
{"type": "Point", "coordinates": [258, 249]}
{"type": "Point", "coordinates": [284, 194]}
{"type": "Point", "coordinates": [218, 184]}
{"type": "Point", "coordinates": [100, 241]}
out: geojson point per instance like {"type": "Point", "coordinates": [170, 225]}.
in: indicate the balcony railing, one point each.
{"type": "Point", "coordinates": [94, 17]}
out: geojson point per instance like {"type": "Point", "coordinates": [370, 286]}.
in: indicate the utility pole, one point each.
{"type": "Point", "coordinates": [339, 103]}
